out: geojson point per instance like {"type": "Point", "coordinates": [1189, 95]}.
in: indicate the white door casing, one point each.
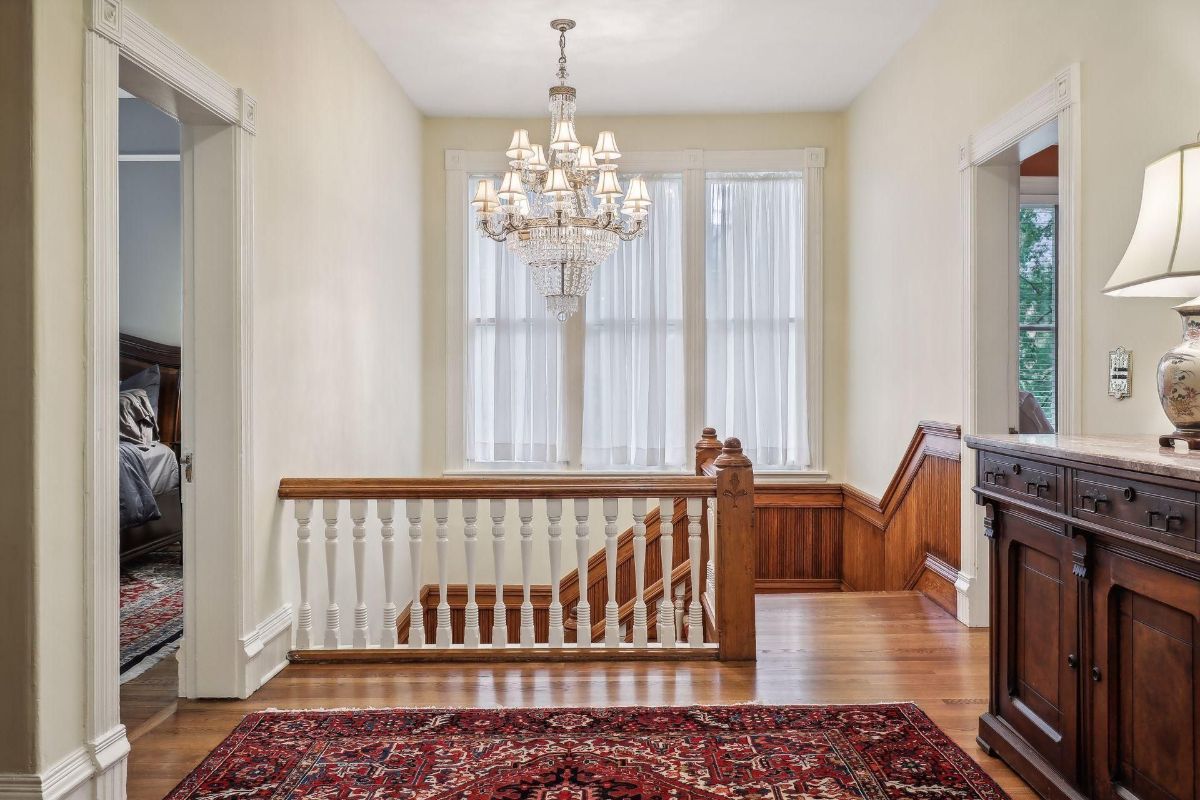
{"type": "Point", "coordinates": [1057, 102]}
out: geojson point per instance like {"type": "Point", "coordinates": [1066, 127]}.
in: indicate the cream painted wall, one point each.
{"type": "Point", "coordinates": [17, 598]}
{"type": "Point", "coordinates": [638, 133]}
{"type": "Point", "coordinates": [336, 303]}
{"type": "Point", "coordinates": [971, 62]}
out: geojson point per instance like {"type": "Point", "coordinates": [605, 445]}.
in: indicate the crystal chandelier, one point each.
{"type": "Point", "coordinates": [558, 211]}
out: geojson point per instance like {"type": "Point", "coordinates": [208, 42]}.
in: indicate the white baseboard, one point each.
{"type": "Point", "coordinates": [972, 608]}
{"type": "Point", "coordinates": [68, 779]}
{"type": "Point", "coordinates": [265, 649]}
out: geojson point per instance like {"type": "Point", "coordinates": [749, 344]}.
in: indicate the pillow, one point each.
{"type": "Point", "coordinates": [136, 422]}
{"type": "Point", "coordinates": [149, 379]}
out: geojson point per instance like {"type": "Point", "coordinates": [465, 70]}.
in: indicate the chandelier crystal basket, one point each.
{"type": "Point", "coordinates": [560, 209]}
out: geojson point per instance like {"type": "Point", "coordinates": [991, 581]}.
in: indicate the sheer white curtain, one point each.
{"type": "Point", "coordinates": [754, 297]}
{"type": "Point", "coordinates": [515, 356]}
{"type": "Point", "coordinates": [633, 408]}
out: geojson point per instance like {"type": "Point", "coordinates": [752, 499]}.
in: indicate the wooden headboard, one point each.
{"type": "Point", "coordinates": [136, 355]}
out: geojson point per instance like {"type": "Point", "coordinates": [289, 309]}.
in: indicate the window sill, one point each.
{"type": "Point", "coordinates": [773, 476]}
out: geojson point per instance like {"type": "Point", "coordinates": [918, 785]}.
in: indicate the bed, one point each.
{"type": "Point", "coordinates": [153, 463]}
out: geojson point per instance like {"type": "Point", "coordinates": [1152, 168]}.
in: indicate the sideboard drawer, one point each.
{"type": "Point", "coordinates": [1031, 481]}
{"type": "Point", "coordinates": [1145, 509]}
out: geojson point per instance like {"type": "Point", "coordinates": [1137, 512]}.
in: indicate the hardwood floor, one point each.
{"type": "Point", "coordinates": [813, 648]}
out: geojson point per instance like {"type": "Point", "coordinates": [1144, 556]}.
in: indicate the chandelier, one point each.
{"type": "Point", "coordinates": [559, 211]}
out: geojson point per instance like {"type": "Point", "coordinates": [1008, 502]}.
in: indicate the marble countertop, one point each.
{"type": "Point", "coordinates": [1139, 453]}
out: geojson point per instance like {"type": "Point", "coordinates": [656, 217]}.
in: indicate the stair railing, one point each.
{"type": "Point", "coordinates": [717, 503]}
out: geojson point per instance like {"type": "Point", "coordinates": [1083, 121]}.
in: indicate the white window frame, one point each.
{"type": "Point", "coordinates": [694, 165]}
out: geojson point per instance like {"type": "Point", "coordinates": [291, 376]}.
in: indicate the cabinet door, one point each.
{"type": "Point", "coordinates": [1037, 680]}
{"type": "Point", "coordinates": [1146, 678]}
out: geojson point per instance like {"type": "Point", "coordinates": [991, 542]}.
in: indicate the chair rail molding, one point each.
{"type": "Point", "coordinates": [115, 35]}
{"type": "Point", "coordinates": [1055, 102]}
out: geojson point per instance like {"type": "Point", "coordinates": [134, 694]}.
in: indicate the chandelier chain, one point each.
{"type": "Point", "coordinates": [562, 57]}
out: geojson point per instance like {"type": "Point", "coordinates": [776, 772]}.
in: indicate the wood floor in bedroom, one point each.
{"type": "Point", "coordinates": [814, 648]}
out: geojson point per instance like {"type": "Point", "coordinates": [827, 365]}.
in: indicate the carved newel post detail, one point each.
{"type": "Point", "coordinates": [708, 447]}
{"type": "Point", "coordinates": [735, 552]}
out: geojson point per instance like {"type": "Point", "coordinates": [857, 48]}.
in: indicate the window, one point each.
{"type": "Point", "coordinates": [754, 292]}
{"type": "Point", "coordinates": [633, 398]}
{"type": "Point", "coordinates": [1037, 312]}
{"type": "Point", "coordinates": [705, 320]}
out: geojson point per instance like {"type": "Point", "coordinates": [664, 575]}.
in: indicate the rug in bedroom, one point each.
{"type": "Point", "coordinates": [151, 610]}
{"type": "Point", "coordinates": [827, 752]}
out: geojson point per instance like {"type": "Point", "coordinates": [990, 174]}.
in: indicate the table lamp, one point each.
{"type": "Point", "coordinates": [1163, 260]}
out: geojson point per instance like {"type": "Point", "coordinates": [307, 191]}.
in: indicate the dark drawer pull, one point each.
{"type": "Point", "coordinates": [1016, 469]}
{"type": "Point", "coordinates": [1096, 674]}
{"type": "Point", "coordinates": [1072, 661]}
{"type": "Point", "coordinates": [1084, 499]}
{"type": "Point", "coordinates": [1129, 493]}
{"type": "Point", "coordinates": [989, 477]}
{"type": "Point", "coordinates": [1034, 488]}
{"type": "Point", "coordinates": [1167, 519]}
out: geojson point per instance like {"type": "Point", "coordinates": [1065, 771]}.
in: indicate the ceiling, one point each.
{"type": "Point", "coordinates": [498, 57]}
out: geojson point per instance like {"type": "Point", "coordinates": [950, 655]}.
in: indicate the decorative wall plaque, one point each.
{"type": "Point", "coordinates": [1120, 375]}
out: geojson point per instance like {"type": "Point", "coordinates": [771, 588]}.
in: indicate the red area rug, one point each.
{"type": "Point", "coordinates": [819, 752]}
{"type": "Point", "coordinates": [151, 610]}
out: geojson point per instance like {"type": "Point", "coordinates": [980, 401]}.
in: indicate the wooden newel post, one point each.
{"type": "Point", "coordinates": [735, 553]}
{"type": "Point", "coordinates": [708, 447]}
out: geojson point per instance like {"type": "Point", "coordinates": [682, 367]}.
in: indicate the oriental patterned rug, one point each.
{"type": "Point", "coordinates": [151, 610]}
{"type": "Point", "coordinates": [819, 752]}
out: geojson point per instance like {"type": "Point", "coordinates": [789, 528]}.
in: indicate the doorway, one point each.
{"type": "Point", "coordinates": [1021, 333]}
{"type": "Point", "coordinates": [216, 124]}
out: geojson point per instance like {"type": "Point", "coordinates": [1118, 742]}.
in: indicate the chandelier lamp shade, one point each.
{"type": "Point", "coordinates": [559, 209]}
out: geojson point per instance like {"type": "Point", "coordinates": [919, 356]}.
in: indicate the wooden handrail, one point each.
{"type": "Point", "coordinates": [507, 487]}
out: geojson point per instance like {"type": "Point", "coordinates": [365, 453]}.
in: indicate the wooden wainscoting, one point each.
{"type": "Point", "coordinates": [908, 539]}
{"type": "Point", "coordinates": [809, 538]}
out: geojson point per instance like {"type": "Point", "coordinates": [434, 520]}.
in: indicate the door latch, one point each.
{"type": "Point", "coordinates": [186, 463]}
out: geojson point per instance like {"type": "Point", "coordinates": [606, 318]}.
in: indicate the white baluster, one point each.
{"type": "Point", "coordinates": [525, 512]}
{"type": "Point", "coordinates": [333, 614]}
{"type": "Point", "coordinates": [499, 612]}
{"type": "Point", "coordinates": [679, 612]}
{"type": "Point", "coordinates": [441, 512]}
{"type": "Point", "coordinates": [695, 614]}
{"type": "Point", "coordinates": [470, 534]}
{"type": "Point", "coordinates": [666, 547]}
{"type": "Point", "coordinates": [583, 609]}
{"type": "Point", "coordinates": [612, 632]}
{"type": "Point", "coordinates": [639, 572]}
{"type": "Point", "coordinates": [386, 511]}
{"type": "Point", "coordinates": [710, 583]}
{"type": "Point", "coordinates": [416, 614]}
{"type": "Point", "coordinates": [358, 515]}
{"type": "Point", "coordinates": [303, 509]}
{"type": "Point", "coordinates": [554, 531]}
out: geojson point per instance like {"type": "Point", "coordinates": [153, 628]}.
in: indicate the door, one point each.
{"type": "Point", "coordinates": [1144, 681]}
{"type": "Point", "coordinates": [1037, 682]}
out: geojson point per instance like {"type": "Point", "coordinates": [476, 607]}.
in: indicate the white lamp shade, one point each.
{"type": "Point", "coordinates": [637, 192]}
{"type": "Point", "coordinates": [586, 160]}
{"type": "Point", "coordinates": [608, 188]}
{"type": "Point", "coordinates": [606, 145]}
{"type": "Point", "coordinates": [537, 162]}
{"type": "Point", "coordinates": [557, 185]}
{"type": "Point", "coordinates": [1163, 257]}
{"type": "Point", "coordinates": [519, 148]}
{"type": "Point", "coordinates": [486, 201]}
{"type": "Point", "coordinates": [564, 136]}
{"type": "Point", "coordinates": [511, 187]}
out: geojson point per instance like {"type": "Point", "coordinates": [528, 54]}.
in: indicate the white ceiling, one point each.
{"type": "Point", "coordinates": [498, 57]}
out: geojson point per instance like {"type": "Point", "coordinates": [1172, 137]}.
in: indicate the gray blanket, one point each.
{"type": "Point", "coordinates": [138, 505]}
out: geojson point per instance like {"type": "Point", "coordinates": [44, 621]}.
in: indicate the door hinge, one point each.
{"type": "Point", "coordinates": [186, 462]}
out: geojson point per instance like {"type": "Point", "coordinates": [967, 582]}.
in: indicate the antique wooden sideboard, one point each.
{"type": "Point", "coordinates": [1095, 614]}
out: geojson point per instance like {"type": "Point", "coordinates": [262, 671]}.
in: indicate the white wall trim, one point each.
{"type": "Point", "coordinates": [692, 164]}
{"type": "Point", "coordinates": [118, 34]}
{"type": "Point", "coordinates": [1058, 101]}
{"type": "Point", "coordinates": [264, 649]}
{"type": "Point", "coordinates": [64, 778]}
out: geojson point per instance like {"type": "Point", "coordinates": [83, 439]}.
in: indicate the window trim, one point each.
{"type": "Point", "coordinates": [693, 165]}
